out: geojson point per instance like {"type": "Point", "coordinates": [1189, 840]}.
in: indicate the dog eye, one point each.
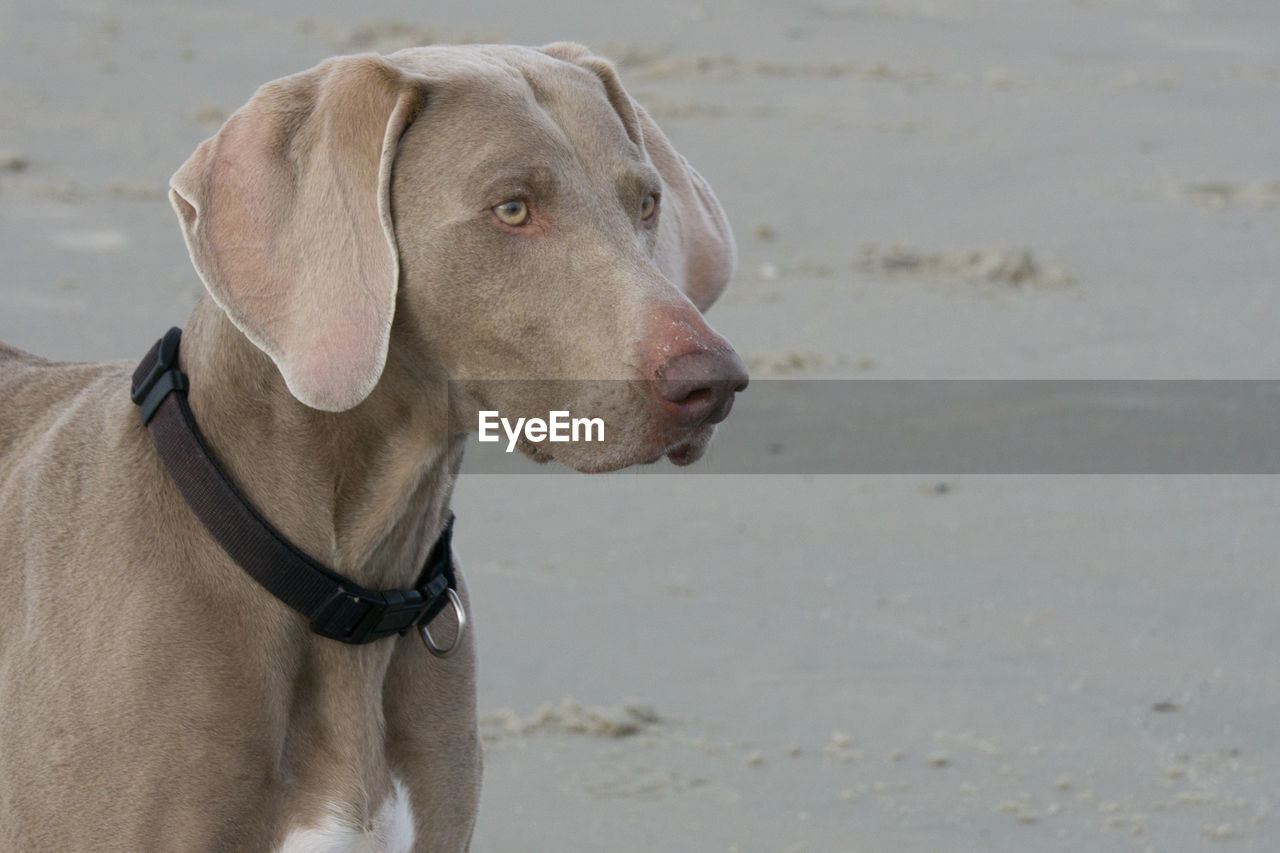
{"type": "Point", "coordinates": [514, 213]}
{"type": "Point", "coordinates": [648, 206]}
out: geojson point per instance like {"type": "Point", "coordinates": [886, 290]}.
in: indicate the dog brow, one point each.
{"type": "Point", "coordinates": [504, 181]}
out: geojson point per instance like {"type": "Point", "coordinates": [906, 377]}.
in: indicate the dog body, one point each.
{"type": "Point", "coordinates": [390, 244]}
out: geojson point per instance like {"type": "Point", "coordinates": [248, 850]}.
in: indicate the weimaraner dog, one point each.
{"type": "Point", "coordinates": [381, 238]}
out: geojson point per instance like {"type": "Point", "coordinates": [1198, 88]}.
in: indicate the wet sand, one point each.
{"type": "Point", "coordinates": [711, 661]}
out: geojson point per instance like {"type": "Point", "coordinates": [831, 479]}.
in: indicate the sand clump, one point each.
{"type": "Point", "coordinates": [659, 64]}
{"type": "Point", "coordinates": [1226, 195]}
{"type": "Point", "coordinates": [12, 161]}
{"type": "Point", "coordinates": [663, 108]}
{"type": "Point", "coordinates": [1017, 267]}
{"type": "Point", "coordinates": [388, 36]}
{"type": "Point", "coordinates": [571, 717]}
{"type": "Point", "coordinates": [777, 363]}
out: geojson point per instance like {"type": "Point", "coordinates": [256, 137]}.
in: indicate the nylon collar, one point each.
{"type": "Point", "coordinates": [335, 606]}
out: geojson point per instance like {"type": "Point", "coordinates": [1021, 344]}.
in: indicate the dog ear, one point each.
{"type": "Point", "coordinates": [695, 243]}
{"type": "Point", "coordinates": [286, 214]}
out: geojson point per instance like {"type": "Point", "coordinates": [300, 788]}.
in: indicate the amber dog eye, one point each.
{"type": "Point", "coordinates": [514, 213]}
{"type": "Point", "coordinates": [648, 206]}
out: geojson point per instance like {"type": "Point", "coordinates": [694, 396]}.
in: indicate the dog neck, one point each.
{"type": "Point", "coordinates": [364, 491]}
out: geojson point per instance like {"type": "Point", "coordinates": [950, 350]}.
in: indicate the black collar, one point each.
{"type": "Point", "coordinates": [335, 606]}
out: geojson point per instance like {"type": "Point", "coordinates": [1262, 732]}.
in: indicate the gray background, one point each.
{"type": "Point", "coordinates": [922, 190]}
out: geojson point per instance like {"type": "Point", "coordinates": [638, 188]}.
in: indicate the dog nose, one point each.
{"type": "Point", "coordinates": [698, 386]}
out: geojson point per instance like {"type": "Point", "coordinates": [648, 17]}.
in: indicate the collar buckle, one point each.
{"type": "Point", "coordinates": [162, 379]}
{"type": "Point", "coordinates": [366, 615]}
{"type": "Point", "coordinates": [335, 606]}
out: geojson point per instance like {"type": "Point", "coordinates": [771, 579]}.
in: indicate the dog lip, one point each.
{"type": "Point", "coordinates": [689, 446]}
{"type": "Point", "coordinates": [720, 414]}
{"type": "Point", "coordinates": [685, 453]}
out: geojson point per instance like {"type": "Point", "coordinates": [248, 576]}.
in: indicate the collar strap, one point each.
{"type": "Point", "coordinates": [335, 606]}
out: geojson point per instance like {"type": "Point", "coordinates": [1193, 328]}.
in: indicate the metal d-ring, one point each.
{"type": "Point", "coordinates": [461, 616]}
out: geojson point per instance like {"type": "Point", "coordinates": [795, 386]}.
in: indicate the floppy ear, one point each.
{"type": "Point", "coordinates": [695, 244]}
{"type": "Point", "coordinates": [286, 214]}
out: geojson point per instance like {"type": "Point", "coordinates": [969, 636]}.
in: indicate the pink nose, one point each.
{"type": "Point", "coordinates": [698, 387]}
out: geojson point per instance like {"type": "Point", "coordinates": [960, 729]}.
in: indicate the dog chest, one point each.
{"type": "Point", "coordinates": [390, 830]}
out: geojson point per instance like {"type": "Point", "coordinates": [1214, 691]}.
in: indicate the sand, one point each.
{"type": "Point", "coordinates": [921, 190]}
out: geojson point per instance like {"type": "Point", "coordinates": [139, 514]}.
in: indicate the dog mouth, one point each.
{"type": "Point", "coordinates": [691, 448]}
{"type": "Point", "coordinates": [635, 428]}
{"type": "Point", "coordinates": [681, 446]}
{"type": "Point", "coordinates": [682, 449]}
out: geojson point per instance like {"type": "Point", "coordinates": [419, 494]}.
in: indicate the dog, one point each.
{"type": "Point", "coordinates": [389, 245]}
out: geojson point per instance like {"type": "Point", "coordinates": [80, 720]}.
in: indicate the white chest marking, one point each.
{"type": "Point", "coordinates": [391, 832]}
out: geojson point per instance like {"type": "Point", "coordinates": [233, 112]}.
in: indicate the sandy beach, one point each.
{"type": "Point", "coordinates": [712, 660]}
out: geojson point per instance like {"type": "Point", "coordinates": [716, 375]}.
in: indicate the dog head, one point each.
{"type": "Point", "coordinates": [510, 217]}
